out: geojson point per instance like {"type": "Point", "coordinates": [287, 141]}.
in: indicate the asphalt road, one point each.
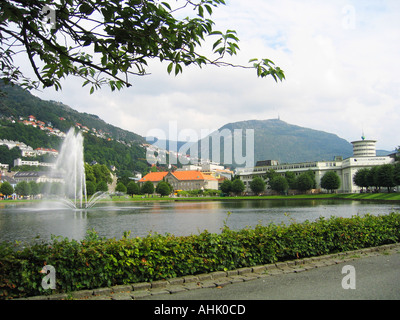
{"type": "Point", "coordinates": [376, 278]}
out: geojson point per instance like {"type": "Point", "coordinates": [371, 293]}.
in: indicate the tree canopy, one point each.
{"type": "Point", "coordinates": [107, 42]}
{"type": "Point", "coordinates": [279, 184]}
{"type": "Point", "coordinates": [257, 185]}
{"type": "Point", "coordinates": [226, 186]}
{"type": "Point", "coordinates": [163, 188]}
{"type": "Point", "coordinates": [330, 181]}
{"type": "Point", "coordinates": [6, 188]}
{"type": "Point", "coordinates": [387, 175]}
{"type": "Point", "coordinates": [305, 181]}
{"type": "Point", "coordinates": [132, 188]}
{"type": "Point", "coordinates": [237, 186]}
{"type": "Point", "coordinates": [147, 188]}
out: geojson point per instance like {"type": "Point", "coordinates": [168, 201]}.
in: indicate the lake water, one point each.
{"type": "Point", "coordinates": [24, 222]}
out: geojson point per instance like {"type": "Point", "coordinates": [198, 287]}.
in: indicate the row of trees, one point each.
{"type": "Point", "coordinates": [25, 188]}
{"type": "Point", "coordinates": [384, 176]}
{"type": "Point", "coordinates": [282, 184]}
{"type": "Point", "coordinates": [32, 188]}
{"type": "Point", "coordinates": [303, 182]}
{"type": "Point", "coordinates": [163, 188]}
{"type": "Point", "coordinates": [235, 186]}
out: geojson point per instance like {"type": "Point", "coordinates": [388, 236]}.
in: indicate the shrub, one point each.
{"type": "Point", "coordinates": [98, 262]}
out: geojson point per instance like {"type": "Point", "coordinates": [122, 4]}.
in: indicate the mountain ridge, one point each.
{"type": "Point", "coordinates": [275, 139]}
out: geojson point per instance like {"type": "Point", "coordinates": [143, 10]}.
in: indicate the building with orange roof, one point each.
{"type": "Point", "coordinates": [191, 180]}
{"type": "Point", "coordinates": [154, 177]}
{"type": "Point", "coordinates": [41, 151]}
{"type": "Point", "coordinates": [183, 180]}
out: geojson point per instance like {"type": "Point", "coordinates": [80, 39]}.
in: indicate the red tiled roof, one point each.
{"type": "Point", "coordinates": [209, 177]}
{"type": "Point", "coordinates": [191, 175]}
{"type": "Point", "coordinates": [180, 175]}
{"type": "Point", "coordinates": [153, 176]}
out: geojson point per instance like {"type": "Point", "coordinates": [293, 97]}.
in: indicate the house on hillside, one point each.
{"type": "Point", "coordinates": [42, 151]}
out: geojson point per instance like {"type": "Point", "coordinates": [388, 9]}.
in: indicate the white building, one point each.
{"type": "Point", "coordinates": [26, 151]}
{"type": "Point", "coordinates": [38, 176]}
{"type": "Point", "coordinates": [364, 148]}
{"type": "Point", "coordinates": [20, 162]}
{"type": "Point", "coordinates": [364, 156]}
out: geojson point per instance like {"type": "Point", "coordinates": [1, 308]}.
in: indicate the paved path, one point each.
{"type": "Point", "coordinates": [377, 276]}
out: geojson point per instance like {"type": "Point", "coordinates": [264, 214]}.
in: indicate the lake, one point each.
{"type": "Point", "coordinates": [24, 222]}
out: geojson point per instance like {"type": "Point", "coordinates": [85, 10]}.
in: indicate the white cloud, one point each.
{"type": "Point", "coordinates": [340, 60]}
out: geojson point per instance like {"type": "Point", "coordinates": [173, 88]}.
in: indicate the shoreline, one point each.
{"type": "Point", "coordinates": [381, 197]}
{"type": "Point", "coordinates": [376, 197]}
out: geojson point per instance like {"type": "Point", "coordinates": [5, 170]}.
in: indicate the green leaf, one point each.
{"type": "Point", "coordinates": [178, 68]}
{"type": "Point", "coordinates": [170, 66]}
{"type": "Point", "coordinates": [165, 4]}
{"type": "Point", "coordinates": [201, 11]}
{"type": "Point", "coordinates": [209, 9]}
{"type": "Point", "coordinates": [217, 43]}
{"type": "Point", "coordinates": [86, 8]}
{"type": "Point", "coordinates": [216, 33]}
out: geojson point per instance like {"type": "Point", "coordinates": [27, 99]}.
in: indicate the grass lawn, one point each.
{"type": "Point", "coordinates": [371, 196]}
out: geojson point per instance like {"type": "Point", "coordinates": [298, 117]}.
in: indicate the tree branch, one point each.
{"type": "Point", "coordinates": [82, 62]}
{"type": "Point", "coordinates": [30, 56]}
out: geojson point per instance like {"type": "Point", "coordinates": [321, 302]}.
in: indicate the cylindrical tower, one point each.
{"type": "Point", "coordinates": [364, 148]}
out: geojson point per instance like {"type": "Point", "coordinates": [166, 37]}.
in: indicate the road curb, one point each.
{"type": "Point", "coordinates": [137, 291]}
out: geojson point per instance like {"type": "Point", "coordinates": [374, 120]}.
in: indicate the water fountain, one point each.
{"type": "Point", "coordinates": [71, 166]}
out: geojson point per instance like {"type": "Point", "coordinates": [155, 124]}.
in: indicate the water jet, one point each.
{"type": "Point", "coordinates": [70, 166]}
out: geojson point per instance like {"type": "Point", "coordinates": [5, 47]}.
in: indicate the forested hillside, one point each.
{"type": "Point", "coordinates": [118, 147]}
{"type": "Point", "coordinates": [16, 102]}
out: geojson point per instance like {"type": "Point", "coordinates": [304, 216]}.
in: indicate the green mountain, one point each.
{"type": "Point", "coordinates": [277, 140]}
{"type": "Point", "coordinates": [107, 144]}
{"type": "Point", "coordinates": [17, 102]}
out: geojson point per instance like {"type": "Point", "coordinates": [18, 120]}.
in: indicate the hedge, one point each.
{"type": "Point", "coordinates": [96, 262]}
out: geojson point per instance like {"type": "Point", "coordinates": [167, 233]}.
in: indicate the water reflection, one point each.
{"type": "Point", "coordinates": [24, 222]}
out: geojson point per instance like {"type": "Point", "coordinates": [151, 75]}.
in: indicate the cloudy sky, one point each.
{"type": "Point", "coordinates": [341, 61]}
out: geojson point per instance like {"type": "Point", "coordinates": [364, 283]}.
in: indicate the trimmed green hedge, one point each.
{"type": "Point", "coordinates": [95, 262]}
